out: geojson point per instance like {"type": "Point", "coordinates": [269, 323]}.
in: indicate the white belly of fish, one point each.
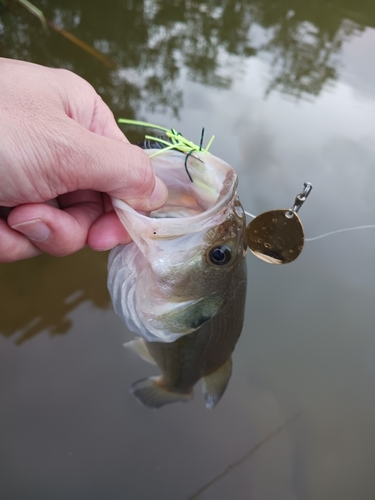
{"type": "Point", "coordinates": [130, 285]}
{"type": "Point", "coordinates": [123, 271]}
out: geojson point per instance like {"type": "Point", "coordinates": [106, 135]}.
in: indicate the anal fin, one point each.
{"type": "Point", "coordinates": [150, 393]}
{"type": "Point", "coordinates": [215, 383]}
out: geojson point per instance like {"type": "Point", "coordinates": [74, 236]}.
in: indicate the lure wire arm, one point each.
{"type": "Point", "coordinates": [300, 199]}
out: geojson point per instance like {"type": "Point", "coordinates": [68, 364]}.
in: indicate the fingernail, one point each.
{"type": "Point", "coordinates": [159, 195]}
{"type": "Point", "coordinates": [36, 229]}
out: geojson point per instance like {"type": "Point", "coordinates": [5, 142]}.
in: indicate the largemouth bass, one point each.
{"type": "Point", "coordinates": [181, 284]}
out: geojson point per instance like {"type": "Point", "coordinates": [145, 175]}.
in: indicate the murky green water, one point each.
{"type": "Point", "coordinates": [288, 88]}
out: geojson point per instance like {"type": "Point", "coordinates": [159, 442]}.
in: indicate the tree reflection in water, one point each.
{"type": "Point", "coordinates": [156, 44]}
{"type": "Point", "coordinates": [155, 41]}
{"type": "Point", "coordinates": [38, 294]}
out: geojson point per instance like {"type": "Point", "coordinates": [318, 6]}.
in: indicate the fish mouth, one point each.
{"type": "Point", "coordinates": [190, 205]}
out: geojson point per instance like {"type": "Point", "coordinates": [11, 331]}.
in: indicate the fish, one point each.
{"type": "Point", "coordinates": [204, 354]}
{"type": "Point", "coordinates": [181, 284]}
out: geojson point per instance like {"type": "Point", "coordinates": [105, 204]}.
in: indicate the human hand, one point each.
{"type": "Point", "coordinates": [61, 156]}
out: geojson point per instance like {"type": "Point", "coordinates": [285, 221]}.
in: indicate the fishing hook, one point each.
{"type": "Point", "coordinates": [186, 168]}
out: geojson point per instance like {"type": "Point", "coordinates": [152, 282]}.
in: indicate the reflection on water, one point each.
{"type": "Point", "coordinates": [68, 427]}
{"type": "Point", "coordinates": [36, 296]}
{"type": "Point", "coordinates": [245, 457]}
{"type": "Point", "coordinates": [155, 43]}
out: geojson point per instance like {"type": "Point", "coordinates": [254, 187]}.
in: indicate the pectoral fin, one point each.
{"type": "Point", "coordinates": [185, 317]}
{"type": "Point", "coordinates": [215, 383]}
{"type": "Point", "coordinates": [139, 346]}
{"type": "Point", "coordinates": [151, 393]}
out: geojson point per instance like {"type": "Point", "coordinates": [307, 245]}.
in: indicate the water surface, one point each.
{"type": "Point", "coordinates": [287, 87]}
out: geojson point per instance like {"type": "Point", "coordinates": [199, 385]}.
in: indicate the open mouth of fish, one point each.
{"type": "Point", "coordinates": [214, 184]}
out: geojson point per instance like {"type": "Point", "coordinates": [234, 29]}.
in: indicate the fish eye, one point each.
{"type": "Point", "coordinates": [220, 255]}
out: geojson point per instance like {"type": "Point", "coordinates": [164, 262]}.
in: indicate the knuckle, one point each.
{"type": "Point", "coordinates": [61, 247]}
{"type": "Point", "coordinates": [12, 251]}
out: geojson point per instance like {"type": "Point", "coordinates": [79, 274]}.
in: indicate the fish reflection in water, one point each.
{"type": "Point", "coordinates": [181, 284]}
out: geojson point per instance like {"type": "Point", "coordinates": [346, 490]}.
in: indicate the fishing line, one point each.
{"type": "Point", "coordinates": [250, 215]}
{"type": "Point", "coordinates": [324, 235]}
{"type": "Point", "coordinates": [345, 230]}
{"type": "Point", "coordinates": [246, 456]}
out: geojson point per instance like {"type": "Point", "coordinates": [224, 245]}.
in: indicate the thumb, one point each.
{"type": "Point", "coordinates": [115, 167]}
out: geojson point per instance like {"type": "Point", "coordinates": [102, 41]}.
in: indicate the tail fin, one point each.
{"type": "Point", "coordinates": [151, 393]}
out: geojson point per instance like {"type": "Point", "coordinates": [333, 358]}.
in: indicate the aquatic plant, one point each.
{"type": "Point", "coordinates": [35, 11]}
